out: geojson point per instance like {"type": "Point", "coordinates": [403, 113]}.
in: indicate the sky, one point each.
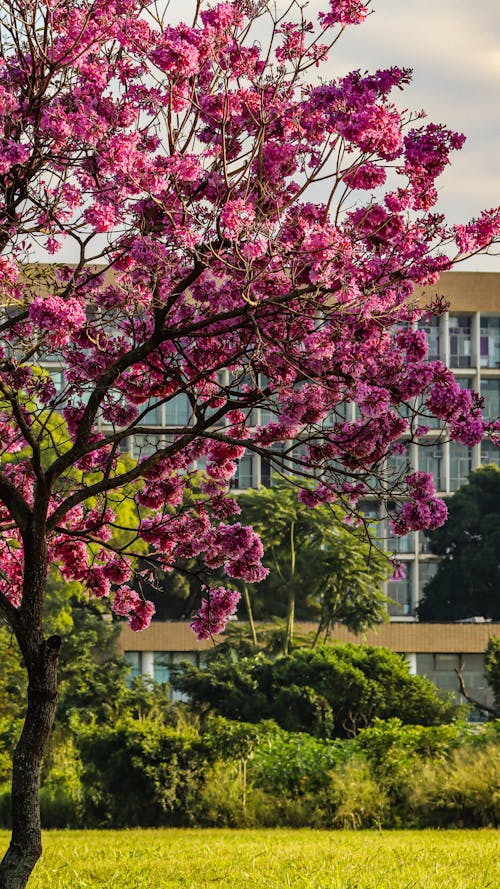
{"type": "Point", "coordinates": [453, 47]}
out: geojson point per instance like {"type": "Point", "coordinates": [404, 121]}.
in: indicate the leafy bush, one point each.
{"type": "Point", "coordinates": [357, 799]}
{"type": "Point", "coordinates": [140, 772]}
{"type": "Point", "coordinates": [331, 691]}
{"type": "Point", "coordinates": [461, 792]}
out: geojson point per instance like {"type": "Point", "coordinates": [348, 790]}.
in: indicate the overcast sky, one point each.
{"type": "Point", "coordinates": [453, 47]}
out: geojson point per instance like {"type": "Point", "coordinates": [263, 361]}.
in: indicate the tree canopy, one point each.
{"type": "Point", "coordinates": [320, 567]}
{"type": "Point", "coordinates": [467, 581]}
{"type": "Point", "coordinates": [330, 691]}
{"type": "Point", "coordinates": [168, 174]}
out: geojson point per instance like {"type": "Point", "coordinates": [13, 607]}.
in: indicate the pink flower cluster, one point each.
{"type": "Point", "coordinates": [128, 603]}
{"type": "Point", "coordinates": [221, 299]}
{"type": "Point", "coordinates": [59, 317]}
{"type": "Point", "coordinates": [344, 12]}
{"type": "Point", "coordinates": [423, 509]}
{"type": "Point", "coordinates": [217, 606]}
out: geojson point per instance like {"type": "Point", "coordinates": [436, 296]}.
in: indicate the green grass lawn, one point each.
{"type": "Point", "coordinates": [268, 859]}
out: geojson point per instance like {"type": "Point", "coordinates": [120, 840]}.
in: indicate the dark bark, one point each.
{"type": "Point", "coordinates": [493, 712]}
{"type": "Point", "coordinates": [26, 846]}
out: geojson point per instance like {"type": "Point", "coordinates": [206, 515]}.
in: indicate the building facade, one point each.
{"type": "Point", "coordinates": [467, 339]}
{"type": "Point", "coordinates": [433, 650]}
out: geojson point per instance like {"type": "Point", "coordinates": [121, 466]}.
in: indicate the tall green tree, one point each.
{"type": "Point", "coordinates": [467, 582]}
{"type": "Point", "coordinates": [331, 691]}
{"type": "Point", "coordinates": [320, 568]}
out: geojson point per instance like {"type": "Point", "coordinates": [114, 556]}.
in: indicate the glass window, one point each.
{"type": "Point", "coordinates": [57, 378]}
{"type": "Point", "coordinates": [425, 664]}
{"type": "Point", "coordinates": [490, 453]}
{"type": "Point", "coordinates": [426, 570]}
{"type": "Point", "coordinates": [162, 666]}
{"type": "Point", "coordinates": [489, 342]}
{"type": "Point", "coordinates": [446, 662]}
{"type": "Point", "coordinates": [134, 661]}
{"type": "Point", "coordinates": [178, 410]}
{"type": "Point", "coordinates": [244, 473]}
{"type": "Point", "coordinates": [400, 591]}
{"type": "Point", "coordinates": [431, 328]}
{"type": "Point", "coordinates": [398, 465]}
{"type": "Point", "coordinates": [404, 544]}
{"type": "Point", "coordinates": [430, 459]}
{"type": "Point", "coordinates": [490, 391]}
{"type": "Point", "coordinates": [154, 416]}
{"type": "Point", "coordinates": [424, 417]}
{"type": "Point", "coordinates": [460, 340]}
{"type": "Point", "coordinates": [460, 464]}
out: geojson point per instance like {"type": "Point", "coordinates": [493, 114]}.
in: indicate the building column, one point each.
{"type": "Point", "coordinates": [411, 658]}
{"type": "Point", "coordinates": [147, 664]}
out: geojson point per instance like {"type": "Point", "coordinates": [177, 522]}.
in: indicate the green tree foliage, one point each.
{"type": "Point", "coordinates": [330, 691]}
{"type": "Point", "coordinates": [140, 772]}
{"type": "Point", "coordinates": [492, 665]}
{"type": "Point", "coordinates": [467, 582]}
{"type": "Point", "coordinates": [319, 568]}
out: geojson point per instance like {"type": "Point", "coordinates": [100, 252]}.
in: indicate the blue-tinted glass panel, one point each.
{"type": "Point", "coordinates": [405, 544]}
{"type": "Point", "coordinates": [431, 328]}
{"type": "Point", "coordinates": [162, 666]}
{"type": "Point", "coordinates": [489, 342]}
{"type": "Point", "coordinates": [244, 473]}
{"type": "Point", "coordinates": [460, 340]}
{"type": "Point", "coordinates": [490, 453]}
{"type": "Point", "coordinates": [490, 391]}
{"type": "Point", "coordinates": [426, 571]}
{"type": "Point", "coordinates": [460, 464]}
{"type": "Point", "coordinates": [144, 445]}
{"type": "Point", "coordinates": [430, 459]}
{"type": "Point", "coordinates": [400, 591]}
{"type": "Point", "coordinates": [133, 659]}
{"type": "Point", "coordinates": [178, 410]}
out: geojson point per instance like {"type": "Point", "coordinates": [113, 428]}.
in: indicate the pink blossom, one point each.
{"type": "Point", "coordinates": [101, 216]}
{"type": "Point", "coordinates": [217, 606]}
{"type": "Point", "coordinates": [235, 217]}
{"type": "Point", "coordinates": [125, 600]}
{"type": "Point", "coordinates": [141, 616]}
{"type": "Point", "coordinates": [344, 12]}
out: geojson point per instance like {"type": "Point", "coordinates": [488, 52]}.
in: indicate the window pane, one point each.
{"type": "Point", "coordinates": [400, 592]}
{"type": "Point", "coordinates": [490, 453]}
{"type": "Point", "coordinates": [490, 391]}
{"type": "Point", "coordinates": [404, 544]}
{"type": "Point", "coordinates": [426, 570]}
{"type": "Point", "coordinates": [178, 410]}
{"type": "Point", "coordinates": [161, 666]}
{"type": "Point", "coordinates": [144, 445]}
{"type": "Point", "coordinates": [460, 464]}
{"type": "Point", "coordinates": [244, 473]}
{"type": "Point", "coordinates": [133, 659]}
{"type": "Point", "coordinates": [489, 342]}
{"type": "Point", "coordinates": [430, 459]}
{"type": "Point", "coordinates": [431, 327]}
{"type": "Point", "coordinates": [460, 340]}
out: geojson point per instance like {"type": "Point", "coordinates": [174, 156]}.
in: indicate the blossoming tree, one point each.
{"type": "Point", "coordinates": [175, 167]}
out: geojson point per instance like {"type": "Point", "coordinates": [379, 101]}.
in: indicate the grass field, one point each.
{"type": "Point", "coordinates": [268, 859]}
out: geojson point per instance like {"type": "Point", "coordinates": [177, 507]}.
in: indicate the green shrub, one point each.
{"type": "Point", "coordinates": [295, 763]}
{"type": "Point", "coordinates": [140, 772]}
{"type": "Point", "coordinates": [461, 792]}
{"type": "Point", "coordinates": [358, 801]}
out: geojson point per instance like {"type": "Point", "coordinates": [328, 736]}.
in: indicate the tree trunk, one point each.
{"type": "Point", "coordinates": [26, 843]}
{"type": "Point", "coordinates": [251, 621]}
{"type": "Point", "coordinates": [290, 610]}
